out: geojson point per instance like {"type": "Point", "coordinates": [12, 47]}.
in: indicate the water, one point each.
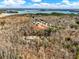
{"type": "Point", "coordinates": [37, 11]}
{"type": "Point", "coordinates": [33, 11]}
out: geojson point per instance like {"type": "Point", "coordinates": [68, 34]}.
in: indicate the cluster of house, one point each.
{"type": "Point", "coordinates": [40, 24]}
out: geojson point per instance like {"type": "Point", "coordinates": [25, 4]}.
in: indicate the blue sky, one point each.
{"type": "Point", "coordinates": [62, 4]}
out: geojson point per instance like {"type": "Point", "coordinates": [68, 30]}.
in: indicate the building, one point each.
{"type": "Point", "coordinates": [40, 25]}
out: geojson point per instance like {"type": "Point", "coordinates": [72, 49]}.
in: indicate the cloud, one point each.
{"type": "Point", "coordinates": [69, 4]}
{"type": "Point", "coordinates": [64, 4]}
{"type": "Point", "coordinates": [43, 5]}
{"type": "Point", "coordinates": [36, 0]}
{"type": "Point", "coordinates": [66, 1]}
{"type": "Point", "coordinates": [13, 2]}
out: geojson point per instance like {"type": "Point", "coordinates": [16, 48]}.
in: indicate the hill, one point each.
{"type": "Point", "coordinates": [19, 41]}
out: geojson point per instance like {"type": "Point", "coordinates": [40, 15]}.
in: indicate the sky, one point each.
{"type": "Point", "coordinates": [53, 4]}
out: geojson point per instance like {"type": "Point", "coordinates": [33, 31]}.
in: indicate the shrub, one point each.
{"type": "Point", "coordinates": [77, 54]}
{"type": "Point", "coordinates": [77, 22]}
{"type": "Point", "coordinates": [2, 23]}
{"type": "Point", "coordinates": [67, 39]}
{"type": "Point", "coordinates": [74, 26]}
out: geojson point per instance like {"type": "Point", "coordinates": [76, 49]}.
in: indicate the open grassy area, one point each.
{"type": "Point", "coordinates": [56, 14]}
{"type": "Point", "coordinates": [19, 41]}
